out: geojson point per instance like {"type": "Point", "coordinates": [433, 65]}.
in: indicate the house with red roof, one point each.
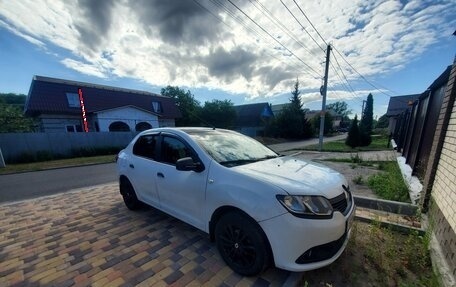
{"type": "Point", "coordinates": [60, 105]}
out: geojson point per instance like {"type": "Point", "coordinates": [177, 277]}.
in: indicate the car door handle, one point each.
{"type": "Point", "coordinates": [131, 166]}
{"type": "Point", "coordinates": [159, 174]}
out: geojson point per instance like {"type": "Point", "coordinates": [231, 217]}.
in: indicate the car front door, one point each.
{"type": "Point", "coordinates": [182, 193]}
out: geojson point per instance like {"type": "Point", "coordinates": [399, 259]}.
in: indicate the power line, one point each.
{"type": "Point", "coordinates": [302, 26]}
{"type": "Point", "coordinates": [274, 20]}
{"type": "Point", "coordinates": [242, 23]}
{"type": "Point", "coordinates": [345, 84]}
{"type": "Point", "coordinates": [343, 74]}
{"type": "Point", "coordinates": [321, 37]}
{"type": "Point", "coordinates": [282, 27]}
{"type": "Point", "coordinates": [362, 77]}
{"type": "Point", "coordinates": [264, 30]}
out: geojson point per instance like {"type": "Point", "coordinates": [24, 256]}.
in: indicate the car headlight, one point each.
{"type": "Point", "coordinates": [307, 206]}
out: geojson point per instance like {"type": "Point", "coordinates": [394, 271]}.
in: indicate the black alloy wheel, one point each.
{"type": "Point", "coordinates": [129, 195]}
{"type": "Point", "coordinates": [242, 244]}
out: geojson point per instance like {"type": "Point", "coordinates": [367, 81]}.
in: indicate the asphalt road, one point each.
{"type": "Point", "coordinates": [26, 185]}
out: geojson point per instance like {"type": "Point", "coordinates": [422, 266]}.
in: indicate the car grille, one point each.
{"type": "Point", "coordinates": [341, 203]}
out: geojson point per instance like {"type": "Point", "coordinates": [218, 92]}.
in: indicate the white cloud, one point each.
{"type": "Point", "coordinates": [83, 68]}
{"type": "Point", "coordinates": [177, 43]}
{"type": "Point", "coordinates": [22, 35]}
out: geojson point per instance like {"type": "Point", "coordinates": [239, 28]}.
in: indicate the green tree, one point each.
{"type": "Point", "coordinates": [189, 107]}
{"type": "Point", "coordinates": [17, 100]}
{"type": "Point", "coordinates": [341, 108]}
{"type": "Point", "coordinates": [12, 118]}
{"type": "Point", "coordinates": [353, 134]}
{"type": "Point", "coordinates": [295, 99]}
{"type": "Point", "coordinates": [328, 124]}
{"type": "Point", "coordinates": [220, 114]}
{"type": "Point", "coordinates": [366, 123]}
{"type": "Point", "coordinates": [382, 122]}
{"type": "Point", "coordinates": [291, 122]}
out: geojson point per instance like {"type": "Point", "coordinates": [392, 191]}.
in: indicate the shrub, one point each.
{"type": "Point", "coordinates": [353, 134]}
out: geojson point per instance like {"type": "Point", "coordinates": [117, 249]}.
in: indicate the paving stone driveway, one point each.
{"type": "Point", "coordinates": [88, 238]}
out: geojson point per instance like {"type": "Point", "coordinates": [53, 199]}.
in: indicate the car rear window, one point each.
{"type": "Point", "coordinates": [145, 146]}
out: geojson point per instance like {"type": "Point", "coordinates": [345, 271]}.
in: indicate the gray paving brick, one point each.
{"type": "Point", "coordinates": [89, 235]}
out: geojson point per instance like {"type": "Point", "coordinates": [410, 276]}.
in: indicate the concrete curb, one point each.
{"type": "Point", "coordinates": [404, 229]}
{"type": "Point", "coordinates": [387, 205]}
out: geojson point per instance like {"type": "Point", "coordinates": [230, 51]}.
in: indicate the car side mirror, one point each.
{"type": "Point", "coordinates": [188, 164]}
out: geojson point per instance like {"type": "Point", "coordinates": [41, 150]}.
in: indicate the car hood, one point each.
{"type": "Point", "coordinates": [296, 176]}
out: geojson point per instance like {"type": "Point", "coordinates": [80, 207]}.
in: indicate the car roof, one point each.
{"type": "Point", "coordinates": [188, 130]}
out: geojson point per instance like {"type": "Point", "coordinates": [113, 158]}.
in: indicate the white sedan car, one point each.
{"type": "Point", "coordinates": [258, 206]}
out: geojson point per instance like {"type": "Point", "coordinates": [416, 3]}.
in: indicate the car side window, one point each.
{"type": "Point", "coordinates": [145, 147]}
{"type": "Point", "coordinates": [173, 149]}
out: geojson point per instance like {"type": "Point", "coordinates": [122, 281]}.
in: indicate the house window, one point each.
{"type": "Point", "coordinates": [73, 100]}
{"type": "Point", "coordinates": [157, 107]}
{"type": "Point", "coordinates": [142, 126]}
{"type": "Point", "coordinates": [119, 127]}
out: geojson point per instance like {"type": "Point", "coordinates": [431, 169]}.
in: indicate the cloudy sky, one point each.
{"type": "Point", "coordinates": [245, 51]}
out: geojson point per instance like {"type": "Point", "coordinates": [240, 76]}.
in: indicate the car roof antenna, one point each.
{"type": "Point", "coordinates": [203, 121]}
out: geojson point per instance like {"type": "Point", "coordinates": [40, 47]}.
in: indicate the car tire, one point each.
{"type": "Point", "coordinates": [242, 244]}
{"type": "Point", "coordinates": [129, 195]}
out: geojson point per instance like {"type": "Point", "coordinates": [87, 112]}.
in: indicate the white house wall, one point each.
{"type": "Point", "coordinates": [57, 123]}
{"type": "Point", "coordinates": [128, 115]}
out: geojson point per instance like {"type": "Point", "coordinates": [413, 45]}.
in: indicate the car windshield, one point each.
{"type": "Point", "coordinates": [230, 148]}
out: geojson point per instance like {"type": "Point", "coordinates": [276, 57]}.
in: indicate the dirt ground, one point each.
{"type": "Point", "coordinates": [376, 257]}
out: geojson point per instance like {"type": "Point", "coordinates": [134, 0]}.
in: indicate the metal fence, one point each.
{"type": "Point", "coordinates": [15, 145]}
{"type": "Point", "coordinates": [415, 128]}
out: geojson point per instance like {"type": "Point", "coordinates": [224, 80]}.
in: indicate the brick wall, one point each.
{"type": "Point", "coordinates": [440, 178]}
{"type": "Point", "coordinates": [444, 189]}
{"type": "Point", "coordinates": [444, 196]}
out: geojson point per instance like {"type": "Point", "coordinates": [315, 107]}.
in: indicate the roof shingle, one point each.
{"type": "Point", "coordinates": [48, 95]}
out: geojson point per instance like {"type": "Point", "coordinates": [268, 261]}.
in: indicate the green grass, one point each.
{"type": "Point", "coordinates": [23, 167]}
{"type": "Point", "coordinates": [379, 142]}
{"type": "Point", "coordinates": [389, 183]}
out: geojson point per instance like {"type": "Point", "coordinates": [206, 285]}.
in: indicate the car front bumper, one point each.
{"type": "Point", "coordinates": [300, 244]}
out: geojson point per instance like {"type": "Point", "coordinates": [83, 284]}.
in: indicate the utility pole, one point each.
{"type": "Point", "coordinates": [323, 91]}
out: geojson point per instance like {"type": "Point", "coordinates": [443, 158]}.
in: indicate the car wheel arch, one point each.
{"type": "Point", "coordinates": [219, 212]}
{"type": "Point", "coordinates": [123, 179]}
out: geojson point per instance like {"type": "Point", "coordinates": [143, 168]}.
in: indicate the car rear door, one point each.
{"type": "Point", "coordinates": [182, 193]}
{"type": "Point", "coordinates": [142, 168]}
